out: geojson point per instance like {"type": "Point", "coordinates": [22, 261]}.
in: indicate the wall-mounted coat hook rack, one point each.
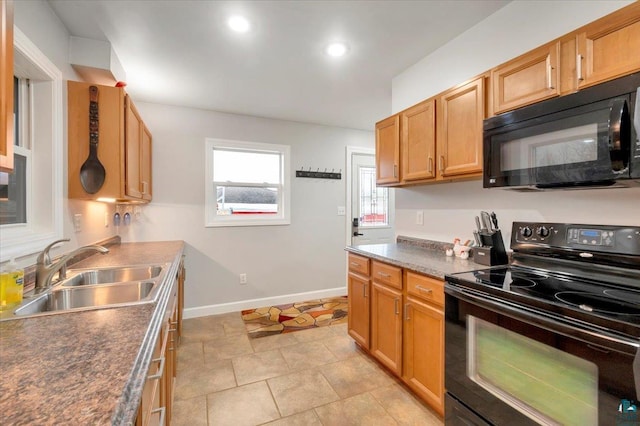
{"type": "Point", "coordinates": [318, 174]}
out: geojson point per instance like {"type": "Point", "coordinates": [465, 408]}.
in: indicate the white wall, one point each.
{"type": "Point", "coordinates": [449, 208]}
{"type": "Point", "coordinates": [306, 256]}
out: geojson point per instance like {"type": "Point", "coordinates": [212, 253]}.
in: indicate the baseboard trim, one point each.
{"type": "Point", "coordinates": [223, 308]}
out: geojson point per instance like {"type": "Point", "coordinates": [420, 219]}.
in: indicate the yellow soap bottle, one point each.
{"type": "Point", "coordinates": [11, 285]}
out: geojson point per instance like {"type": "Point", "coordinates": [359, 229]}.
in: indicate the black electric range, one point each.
{"type": "Point", "coordinates": [573, 288]}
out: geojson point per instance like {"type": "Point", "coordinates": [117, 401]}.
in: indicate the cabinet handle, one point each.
{"type": "Point", "coordinates": [364, 290]}
{"type": "Point", "coordinates": [424, 289]}
{"type": "Point", "coordinates": [430, 169]}
{"type": "Point", "coordinates": [395, 306]}
{"type": "Point", "coordinates": [406, 312]}
{"type": "Point", "coordinates": [145, 187]}
{"type": "Point", "coordinates": [579, 67]}
{"type": "Point", "coordinates": [160, 369]}
{"type": "Point", "coordinates": [355, 264]}
{"type": "Point", "coordinates": [162, 411]}
{"type": "Point", "coordinates": [441, 163]}
{"type": "Point", "coordinates": [395, 170]}
{"type": "Point", "coordinates": [549, 69]}
{"type": "Point", "coordinates": [172, 347]}
{"type": "Point", "coordinates": [382, 274]}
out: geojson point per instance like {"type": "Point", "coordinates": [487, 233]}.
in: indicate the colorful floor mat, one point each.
{"type": "Point", "coordinates": [291, 317]}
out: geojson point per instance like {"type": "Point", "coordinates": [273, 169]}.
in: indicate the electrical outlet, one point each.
{"type": "Point", "coordinates": [243, 278]}
{"type": "Point", "coordinates": [341, 211]}
{"type": "Point", "coordinates": [419, 217]}
{"type": "Point", "coordinates": [77, 222]}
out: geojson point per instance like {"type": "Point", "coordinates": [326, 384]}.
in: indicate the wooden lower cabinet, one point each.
{"type": "Point", "coordinates": [400, 322]}
{"type": "Point", "coordinates": [156, 405]}
{"type": "Point", "coordinates": [386, 326]}
{"type": "Point", "coordinates": [358, 318]}
{"type": "Point", "coordinates": [424, 351]}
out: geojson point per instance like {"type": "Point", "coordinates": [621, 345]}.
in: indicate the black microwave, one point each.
{"type": "Point", "coordinates": [588, 138]}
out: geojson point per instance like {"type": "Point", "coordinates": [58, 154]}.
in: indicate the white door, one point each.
{"type": "Point", "coordinates": [372, 207]}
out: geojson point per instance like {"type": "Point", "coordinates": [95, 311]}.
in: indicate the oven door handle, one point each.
{"type": "Point", "coordinates": [556, 324]}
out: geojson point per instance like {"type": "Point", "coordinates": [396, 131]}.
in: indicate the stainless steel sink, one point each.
{"type": "Point", "coordinates": [96, 288]}
{"type": "Point", "coordinates": [64, 299]}
{"type": "Point", "coordinates": [82, 277]}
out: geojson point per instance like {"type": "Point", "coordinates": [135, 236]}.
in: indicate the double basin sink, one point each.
{"type": "Point", "coordinates": [96, 288]}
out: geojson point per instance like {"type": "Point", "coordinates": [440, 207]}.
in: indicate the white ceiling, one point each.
{"type": "Point", "coordinates": [182, 52]}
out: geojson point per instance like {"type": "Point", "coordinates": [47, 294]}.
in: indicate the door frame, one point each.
{"type": "Point", "coordinates": [348, 176]}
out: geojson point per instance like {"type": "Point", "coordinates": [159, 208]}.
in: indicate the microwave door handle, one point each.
{"type": "Point", "coordinates": [617, 120]}
{"type": "Point", "coordinates": [636, 115]}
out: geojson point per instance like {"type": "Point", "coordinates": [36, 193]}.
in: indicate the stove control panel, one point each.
{"type": "Point", "coordinates": [531, 236]}
{"type": "Point", "coordinates": [591, 237]}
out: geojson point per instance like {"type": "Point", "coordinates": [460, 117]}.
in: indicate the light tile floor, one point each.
{"type": "Point", "coordinates": [312, 377]}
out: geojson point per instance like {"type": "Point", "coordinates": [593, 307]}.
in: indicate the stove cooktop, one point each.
{"type": "Point", "coordinates": [612, 306]}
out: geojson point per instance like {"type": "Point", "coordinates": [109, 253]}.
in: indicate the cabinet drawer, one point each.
{"type": "Point", "coordinates": [426, 288]}
{"type": "Point", "coordinates": [358, 264]}
{"type": "Point", "coordinates": [386, 274]}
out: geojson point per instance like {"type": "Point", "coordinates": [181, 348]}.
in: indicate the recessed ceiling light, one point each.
{"type": "Point", "coordinates": [239, 24]}
{"type": "Point", "coordinates": [336, 49]}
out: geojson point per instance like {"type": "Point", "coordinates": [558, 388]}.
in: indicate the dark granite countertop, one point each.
{"type": "Point", "coordinates": [86, 367]}
{"type": "Point", "coordinates": [423, 256]}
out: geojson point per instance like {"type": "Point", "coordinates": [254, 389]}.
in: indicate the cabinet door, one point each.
{"type": "Point", "coordinates": [388, 151]}
{"type": "Point", "coordinates": [358, 318]}
{"type": "Point", "coordinates": [386, 326]}
{"type": "Point", "coordinates": [424, 352]}
{"type": "Point", "coordinates": [529, 78]}
{"type": "Point", "coordinates": [111, 101]}
{"type": "Point", "coordinates": [133, 143]}
{"type": "Point", "coordinates": [145, 164]}
{"type": "Point", "coordinates": [6, 85]}
{"type": "Point", "coordinates": [609, 47]}
{"type": "Point", "coordinates": [418, 141]}
{"type": "Point", "coordinates": [459, 131]}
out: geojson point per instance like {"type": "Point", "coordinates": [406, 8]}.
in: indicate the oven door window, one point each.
{"type": "Point", "coordinates": [544, 383]}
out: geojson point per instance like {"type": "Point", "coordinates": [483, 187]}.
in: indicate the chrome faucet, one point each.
{"type": "Point", "coordinates": [45, 269]}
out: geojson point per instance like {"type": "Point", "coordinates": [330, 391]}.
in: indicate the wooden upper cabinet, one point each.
{"type": "Point", "coordinates": [124, 144]}
{"type": "Point", "coordinates": [145, 164]}
{"type": "Point", "coordinates": [529, 78]}
{"type": "Point", "coordinates": [388, 151]}
{"type": "Point", "coordinates": [459, 130]}
{"type": "Point", "coordinates": [567, 65]}
{"type": "Point", "coordinates": [138, 142]}
{"type": "Point", "coordinates": [418, 141]}
{"type": "Point", "coordinates": [133, 144]}
{"type": "Point", "coordinates": [6, 85]}
{"type": "Point", "coordinates": [609, 47]}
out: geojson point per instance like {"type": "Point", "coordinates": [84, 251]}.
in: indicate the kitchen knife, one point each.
{"type": "Point", "coordinates": [494, 221]}
{"type": "Point", "coordinates": [477, 237]}
{"type": "Point", "coordinates": [485, 219]}
{"type": "Point", "coordinates": [478, 224]}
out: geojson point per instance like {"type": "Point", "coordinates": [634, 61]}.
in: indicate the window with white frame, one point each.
{"type": "Point", "coordinates": [247, 183]}
{"type": "Point", "coordinates": [31, 195]}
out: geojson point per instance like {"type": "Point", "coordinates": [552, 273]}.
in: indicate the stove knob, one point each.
{"type": "Point", "coordinates": [542, 232]}
{"type": "Point", "coordinates": [526, 232]}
